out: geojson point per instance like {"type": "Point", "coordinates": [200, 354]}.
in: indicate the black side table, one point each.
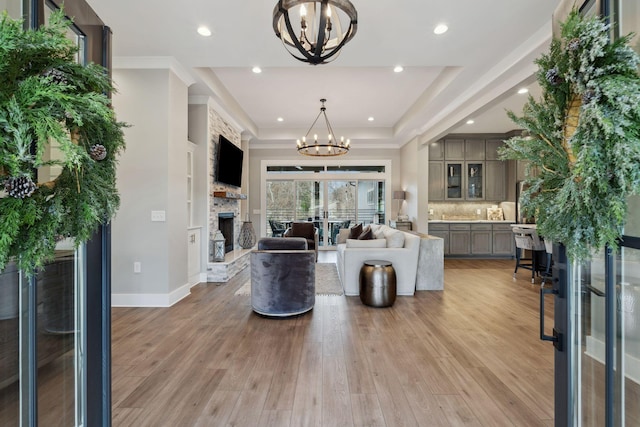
{"type": "Point", "coordinates": [377, 283]}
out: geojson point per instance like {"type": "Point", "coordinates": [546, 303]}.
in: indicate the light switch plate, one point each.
{"type": "Point", "coordinates": [158, 216]}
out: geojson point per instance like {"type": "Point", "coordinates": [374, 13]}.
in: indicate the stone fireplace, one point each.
{"type": "Point", "coordinates": [227, 227]}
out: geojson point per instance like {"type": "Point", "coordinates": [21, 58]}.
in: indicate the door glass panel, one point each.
{"type": "Point", "coordinates": [310, 206]}
{"type": "Point", "coordinates": [60, 351]}
{"type": "Point", "coordinates": [281, 206]}
{"type": "Point", "coordinates": [342, 207]}
{"type": "Point", "coordinates": [589, 360]}
{"type": "Point", "coordinates": [628, 337]}
{"type": "Point", "coordinates": [371, 202]}
{"type": "Point", "coordinates": [10, 285]}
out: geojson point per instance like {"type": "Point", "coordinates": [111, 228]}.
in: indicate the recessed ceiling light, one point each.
{"type": "Point", "coordinates": [440, 29]}
{"type": "Point", "coordinates": [256, 70]}
{"type": "Point", "coordinates": [204, 31]}
{"type": "Point", "coordinates": [523, 90]}
{"type": "Point", "coordinates": [280, 119]}
{"type": "Point", "coordinates": [470, 122]}
{"type": "Point", "coordinates": [398, 69]}
{"type": "Point", "coordinates": [371, 119]}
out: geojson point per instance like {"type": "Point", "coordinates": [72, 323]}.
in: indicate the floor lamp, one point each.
{"type": "Point", "coordinates": [399, 195]}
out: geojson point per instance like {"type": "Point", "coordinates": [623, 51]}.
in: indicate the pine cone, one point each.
{"type": "Point", "coordinates": [57, 76]}
{"type": "Point", "coordinates": [574, 44]}
{"type": "Point", "coordinates": [98, 152]}
{"type": "Point", "coordinates": [553, 77]}
{"type": "Point", "coordinates": [19, 187]}
{"type": "Point", "coordinates": [589, 96]}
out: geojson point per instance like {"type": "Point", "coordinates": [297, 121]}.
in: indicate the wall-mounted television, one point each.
{"type": "Point", "coordinates": [229, 163]}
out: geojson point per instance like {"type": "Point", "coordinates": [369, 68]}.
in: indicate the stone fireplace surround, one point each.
{"type": "Point", "coordinates": [236, 258]}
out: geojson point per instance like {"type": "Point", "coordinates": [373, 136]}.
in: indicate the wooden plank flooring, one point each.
{"type": "Point", "coordinates": [467, 356]}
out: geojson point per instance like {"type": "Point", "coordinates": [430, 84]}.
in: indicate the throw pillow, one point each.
{"type": "Point", "coordinates": [394, 238]}
{"type": "Point", "coordinates": [355, 231]}
{"type": "Point", "coordinates": [366, 234]}
{"type": "Point", "coordinates": [379, 233]}
{"type": "Point", "coordinates": [373, 243]}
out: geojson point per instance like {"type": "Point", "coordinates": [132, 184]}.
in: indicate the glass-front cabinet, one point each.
{"type": "Point", "coordinates": [465, 180]}
{"type": "Point", "coordinates": [474, 180]}
{"type": "Point", "coordinates": [454, 181]}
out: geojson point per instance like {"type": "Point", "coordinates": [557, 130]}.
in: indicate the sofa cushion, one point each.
{"type": "Point", "coordinates": [366, 234]}
{"type": "Point", "coordinates": [372, 243]}
{"type": "Point", "coordinates": [355, 231]}
{"type": "Point", "coordinates": [394, 238]}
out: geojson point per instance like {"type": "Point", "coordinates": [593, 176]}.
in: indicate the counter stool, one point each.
{"type": "Point", "coordinates": [377, 283]}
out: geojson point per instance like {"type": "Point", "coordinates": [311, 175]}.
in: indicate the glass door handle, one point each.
{"type": "Point", "coordinates": [594, 290]}
{"type": "Point", "coordinates": [556, 338]}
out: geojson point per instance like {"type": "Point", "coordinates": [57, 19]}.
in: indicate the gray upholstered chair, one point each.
{"type": "Point", "coordinates": [306, 230]}
{"type": "Point", "coordinates": [283, 277]}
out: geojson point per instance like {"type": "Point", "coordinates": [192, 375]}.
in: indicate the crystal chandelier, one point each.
{"type": "Point", "coordinates": [325, 26]}
{"type": "Point", "coordinates": [330, 148]}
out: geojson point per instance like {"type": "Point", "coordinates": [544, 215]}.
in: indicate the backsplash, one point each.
{"type": "Point", "coordinates": [467, 210]}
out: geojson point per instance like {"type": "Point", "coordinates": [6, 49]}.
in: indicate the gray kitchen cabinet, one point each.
{"type": "Point", "coordinates": [475, 239]}
{"type": "Point", "coordinates": [440, 230]}
{"type": "Point", "coordinates": [491, 149]}
{"type": "Point", "coordinates": [436, 181]}
{"type": "Point", "coordinates": [465, 174]}
{"type": "Point", "coordinates": [459, 239]}
{"type": "Point", "coordinates": [481, 239]}
{"type": "Point", "coordinates": [474, 149]}
{"type": "Point", "coordinates": [503, 241]}
{"type": "Point", "coordinates": [436, 150]}
{"type": "Point", "coordinates": [454, 149]}
{"type": "Point", "coordinates": [495, 179]}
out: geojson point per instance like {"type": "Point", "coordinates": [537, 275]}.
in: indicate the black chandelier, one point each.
{"type": "Point", "coordinates": [329, 148]}
{"type": "Point", "coordinates": [313, 38]}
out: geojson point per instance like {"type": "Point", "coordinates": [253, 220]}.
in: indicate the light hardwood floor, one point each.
{"type": "Point", "coordinates": [467, 356]}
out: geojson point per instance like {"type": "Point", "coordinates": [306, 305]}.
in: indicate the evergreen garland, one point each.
{"type": "Point", "coordinates": [46, 96]}
{"type": "Point", "coordinates": [582, 137]}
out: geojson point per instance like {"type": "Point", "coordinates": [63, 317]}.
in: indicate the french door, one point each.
{"type": "Point", "coordinates": [597, 333]}
{"type": "Point", "coordinates": [55, 326]}
{"type": "Point", "coordinates": [330, 204]}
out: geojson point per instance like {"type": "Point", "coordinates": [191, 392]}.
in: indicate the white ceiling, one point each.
{"type": "Point", "coordinates": [472, 71]}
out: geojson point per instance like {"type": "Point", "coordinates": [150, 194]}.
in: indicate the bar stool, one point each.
{"type": "Point", "coordinates": [527, 239]}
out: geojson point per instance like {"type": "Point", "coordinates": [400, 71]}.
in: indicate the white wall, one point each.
{"type": "Point", "coordinates": [151, 177]}
{"type": "Point", "coordinates": [13, 8]}
{"type": "Point", "coordinates": [414, 181]}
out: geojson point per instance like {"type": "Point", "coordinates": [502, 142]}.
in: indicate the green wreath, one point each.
{"type": "Point", "coordinates": [46, 97]}
{"type": "Point", "coordinates": [582, 138]}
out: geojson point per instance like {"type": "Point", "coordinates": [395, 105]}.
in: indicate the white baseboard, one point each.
{"type": "Point", "coordinates": [150, 300]}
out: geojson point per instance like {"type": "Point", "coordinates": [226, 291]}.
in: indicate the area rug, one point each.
{"type": "Point", "coordinates": [327, 281]}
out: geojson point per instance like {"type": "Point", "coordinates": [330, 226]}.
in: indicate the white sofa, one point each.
{"type": "Point", "coordinates": [400, 249]}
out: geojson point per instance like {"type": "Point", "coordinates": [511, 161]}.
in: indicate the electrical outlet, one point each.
{"type": "Point", "coordinates": [430, 211]}
{"type": "Point", "coordinates": [158, 216]}
{"type": "Point", "coordinates": [137, 267]}
{"type": "Point", "coordinates": [478, 211]}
